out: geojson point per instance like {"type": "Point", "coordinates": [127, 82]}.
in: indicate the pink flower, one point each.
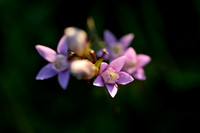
{"type": "Point", "coordinates": [58, 63]}
{"type": "Point", "coordinates": [111, 75]}
{"type": "Point", "coordinates": [115, 48]}
{"type": "Point", "coordinates": [135, 63]}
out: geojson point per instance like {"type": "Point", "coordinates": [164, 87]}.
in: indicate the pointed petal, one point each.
{"type": "Point", "coordinates": [118, 63]}
{"type": "Point", "coordinates": [109, 38]}
{"type": "Point", "coordinates": [63, 78]}
{"type": "Point", "coordinates": [46, 72]}
{"type": "Point", "coordinates": [139, 74]}
{"type": "Point", "coordinates": [126, 40]}
{"type": "Point", "coordinates": [98, 81]}
{"type": "Point", "coordinates": [47, 53]}
{"type": "Point", "coordinates": [62, 47]}
{"type": "Point", "coordinates": [103, 67]}
{"type": "Point", "coordinates": [124, 78]}
{"type": "Point", "coordinates": [143, 60]}
{"type": "Point", "coordinates": [130, 54]}
{"type": "Point", "coordinates": [112, 89]}
{"type": "Point", "coordinates": [131, 70]}
{"type": "Point", "coordinates": [100, 53]}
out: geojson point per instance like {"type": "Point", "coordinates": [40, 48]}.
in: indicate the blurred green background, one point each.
{"type": "Point", "coordinates": [167, 102]}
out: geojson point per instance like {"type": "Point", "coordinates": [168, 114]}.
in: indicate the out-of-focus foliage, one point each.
{"type": "Point", "coordinates": [166, 102]}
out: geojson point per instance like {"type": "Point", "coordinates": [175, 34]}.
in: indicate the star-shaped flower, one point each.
{"type": "Point", "coordinates": [115, 48]}
{"type": "Point", "coordinates": [58, 63]}
{"type": "Point", "coordinates": [111, 75]}
{"type": "Point", "coordinates": [135, 63]}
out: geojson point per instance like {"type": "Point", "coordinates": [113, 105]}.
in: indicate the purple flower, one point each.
{"type": "Point", "coordinates": [111, 74]}
{"type": "Point", "coordinates": [58, 63]}
{"type": "Point", "coordinates": [135, 63]}
{"type": "Point", "coordinates": [114, 47]}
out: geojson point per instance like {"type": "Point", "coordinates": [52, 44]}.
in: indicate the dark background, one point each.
{"type": "Point", "coordinates": [167, 102]}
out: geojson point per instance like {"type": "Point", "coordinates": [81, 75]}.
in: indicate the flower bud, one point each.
{"type": "Point", "coordinates": [77, 40]}
{"type": "Point", "coordinates": [83, 69]}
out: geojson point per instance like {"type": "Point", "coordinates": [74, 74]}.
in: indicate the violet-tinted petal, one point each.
{"type": "Point", "coordinates": [62, 47]}
{"type": "Point", "coordinates": [63, 78]}
{"type": "Point", "coordinates": [126, 40]}
{"type": "Point", "coordinates": [109, 38]}
{"type": "Point", "coordinates": [46, 72]}
{"type": "Point", "coordinates": [118, 63]}
{"type": "Point", "coordinates": [143, 60]}
{"type": "Point", "coordinates": [130, 54]}
{"type": "Point", "coordinates": [103, 67]}
{"type": "Point", "coordinates": [47, 53]}
{"type": "Point", "coordinates": [112, 89]}
{"type": "Point", "coordinates": [139, 74]}
{"type": "Point", "coordinates": [124, 78]}
{"type": "Point", "coordinates": [98, 81]}
{"type": "Point", "coordinates": [100, 53]}
{"type": "Point", "coordinates": [130, 70]}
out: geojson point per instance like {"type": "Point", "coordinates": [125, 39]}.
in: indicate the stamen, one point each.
{"type": "Point", "coordinates": [94, 58]}
{"type": "Point", "coordinates": [104, 53]}
{"type": "Point", "coordinates": [110, 76]}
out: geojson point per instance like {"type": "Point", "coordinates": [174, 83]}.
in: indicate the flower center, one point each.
{"type": "Point", "coordinates": [116, 50]}
{"type": "Point", "coordinates": [110, 76]}
{"type": "Point", "coordinates": [130, 64]}
{"type": "Point", "coordinates": [60, 63]}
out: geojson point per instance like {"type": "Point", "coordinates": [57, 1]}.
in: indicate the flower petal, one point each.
{"type": "Point", "coordinates": [118, 63]}
{"type": "Point", "coordinates": [103, 67]}
{"type": "Point", "coordinates": [109, 38]}
{"type": "Point", "coordinates": [139, 74]}
{"type": "Point", "coordinates": [46, 52]}
{"type": "Point", "coordinates": [124, 78]}
{"type": "Point", "coordinates": [62, 47]}
{"type": "Point", "coordinates": [130, 70]}
{"type": "Point", "coordinates": [130, 54]}
{"type": "Point", "coordinates": [100, 53]}
{"type": "Point", "coordinates": [126, 40]}
{"type": "Point", "coordinates": [46, 72]}
{"type": "Point", "coordinates": [98, 81]}
{"type": "Point", "coordinates": [143, 60]}
{"type": "Point", "coordinates": [63, 78]}
{"type": "Point", "coordinates": [112, 89]}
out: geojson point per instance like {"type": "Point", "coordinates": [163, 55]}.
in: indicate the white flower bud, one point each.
{"type": "Point", "coordinates": [77, 40]}
{"type": "Point", "coordinates": [83, 69]}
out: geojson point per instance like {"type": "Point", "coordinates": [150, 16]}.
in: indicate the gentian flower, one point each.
{"type": "Point", "coordinates": [114, 47]}
{"type": "Point", "coordinates": [58, 63]}
{"type": "Point", "coordinates": [111, 75]}
{"type": "Point", "coordinates": [135, 63]}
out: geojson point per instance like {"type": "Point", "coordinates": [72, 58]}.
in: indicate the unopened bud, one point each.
{"type": "Point", "coordinates": [83, 69]}
{"type": "Point", "coordinates": [77, 40]}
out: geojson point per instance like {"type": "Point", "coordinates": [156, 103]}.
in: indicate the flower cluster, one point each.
{"type": "Point", "coordinates": [74, 56]}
